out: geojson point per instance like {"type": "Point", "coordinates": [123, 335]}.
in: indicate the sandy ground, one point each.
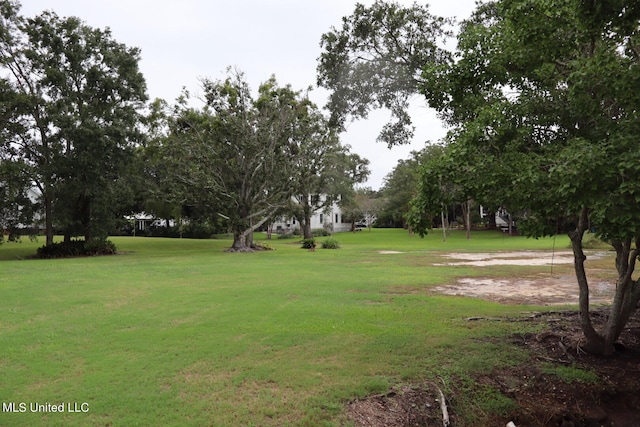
{"type": "Point", "coordinates": [558, 290]}
{"type": "Point", "coordinates": [542, 290]}
{"type": "Point", "coordinates": [509, 258]}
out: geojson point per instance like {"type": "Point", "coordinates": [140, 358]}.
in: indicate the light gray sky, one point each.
{"type": "Point", "coordinates": [182, 41]}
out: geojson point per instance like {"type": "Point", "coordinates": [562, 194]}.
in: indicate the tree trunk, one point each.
{"type": "Point", "coordinates": [48, 219]}
{"type": "Point", "coordinates": [85, 217]}
{"type": "Point", "coordinates": [627, 293]}
{"type": "Point", "coordinates": [594, 342]}
{"type": "Point", "coordinates": [466, 213]}
{"type": "Point", "coordinates": [306, 228]}
{"type": "Point", "coordinates": [239, 242]}
{"type": "Point", "coordinates": [249, 239]}
{"type": "Point", "coordinates": [625, 300]}
{"type": "Point", "coordinates": [306, 220]}
{"type": "Point", "coordinates": [492, 220]}
{"type": "Point", "coordinates": [624, 303]}
{"type": "Point", "coordinates": [242, 241]}
{"type": "Point", "coordinates": [243, 238]}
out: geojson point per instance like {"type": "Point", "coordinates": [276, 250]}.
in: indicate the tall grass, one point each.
{"type": "Point", "coordinates": [179, 332]}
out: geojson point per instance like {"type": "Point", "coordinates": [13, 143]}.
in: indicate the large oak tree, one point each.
{"type": "Point", "coordinates": [236, 154]}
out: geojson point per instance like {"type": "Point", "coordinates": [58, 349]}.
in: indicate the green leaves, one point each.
{"type": "Point", "coordinates": [245, 157]}
{"type": "Point", "coordinates": [77, 95]}
{"type": "Point", "coordinates": [545, 100]}
{"type": "Point", "coordinates": [374, 61]}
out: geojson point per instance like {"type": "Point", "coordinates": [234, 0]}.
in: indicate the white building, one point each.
{"type": "Point", "coordinates": [330, 219]}
{"type": "Point", "coordinates": [142, 221]}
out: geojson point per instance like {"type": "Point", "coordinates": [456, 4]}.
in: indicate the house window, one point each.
{"type": "Point", "coordinates": [336, 218]}
{"type": "Point", "coordinates": [321, 219]}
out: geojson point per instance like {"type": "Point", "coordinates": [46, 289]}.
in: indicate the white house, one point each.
{"type": "Point", "coordinates": [142, 221]}
{"type": "Point", "coordinates": [330, 219]}
{"type": "Point", "coordinates": [502, 218]}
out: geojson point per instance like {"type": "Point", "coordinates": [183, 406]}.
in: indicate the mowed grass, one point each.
{"type": "Point", "coordinates": [179, 332]}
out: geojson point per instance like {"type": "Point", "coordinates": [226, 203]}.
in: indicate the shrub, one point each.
{"type": "Point", "coordinates": [308, 243]}
{"type": "Point", "coordinates": [77, 248]}
{"type": "Point", "coordinates": [163, 232]}
{"type": "Point", "coordinates": [330, 243]}
{"type": "Point", "coordinates": [100, 247]}
{"type": "Point", "coordinates": [62, 249]}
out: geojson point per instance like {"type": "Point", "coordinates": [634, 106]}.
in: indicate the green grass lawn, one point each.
{"type": "Point", "coordinates": [179, 332]}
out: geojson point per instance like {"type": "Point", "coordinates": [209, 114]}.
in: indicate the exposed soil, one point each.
{"type": "Point", "coordinates": [541, 289]}
{"type": "Point", "coordinates": [511, 258]}
{"type": "Point", "coordinates": [542, 398]}
{"type": "Point", "coordinates": [407, 406]}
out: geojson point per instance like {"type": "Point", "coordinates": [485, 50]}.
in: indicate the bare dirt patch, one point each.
{"type": "Point", "coordinates": [404, 406]}
{"type": "Point", "coordinates": [556, 290]}
{"type": "Point", "coordinates": [542, 289]}
{"type": "Point", "coordinates": [541, 397]}
{"type": "Point", "coordinates": [545, 400]}
{"type": "Point", "coordinates": [531, 258]}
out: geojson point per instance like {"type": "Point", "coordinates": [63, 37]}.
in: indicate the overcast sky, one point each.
{"type": "Point", "coordinates": [182, 41]}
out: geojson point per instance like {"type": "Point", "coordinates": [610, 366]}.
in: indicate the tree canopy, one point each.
{"type": "Point", "coordinates": [543, 98]}
{"type": "Point", "coordinates": [248, 157]}
{"type": "Point", "coordinates": [76, 94]}
{"type": "Point", "coordinates": [325, 170]}
{"type": "Point", "coordinates": [375, 60]}
{"type": "Point", "coordinates": [400, 187]}
{"type": "Point", "coordinates": [542, 101]}
{"type": "Point", "coordinates": [73, 136]}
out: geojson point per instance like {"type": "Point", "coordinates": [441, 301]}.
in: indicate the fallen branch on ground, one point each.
{"type": "Point", "coordinates": [445, 412]}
